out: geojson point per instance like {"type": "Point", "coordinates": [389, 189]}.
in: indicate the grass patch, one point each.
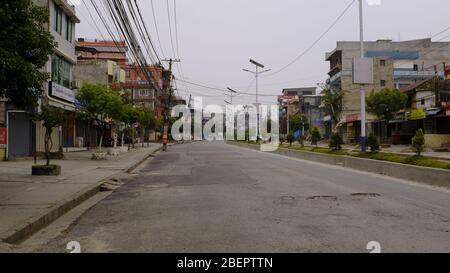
{"type": "Point", "coordinates": [427, 162]}
{"type": "Point", "coordinates": [320, 150]}
{"type": "Point", "coordinates": [408, 160]}
{"type": "Point", "coordinates": [396, 158]}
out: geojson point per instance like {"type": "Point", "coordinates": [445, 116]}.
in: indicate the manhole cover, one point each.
{"type": "Point", "coordinates": [323, 197]}
{"type": "Point", "coordinates": [363, 194]}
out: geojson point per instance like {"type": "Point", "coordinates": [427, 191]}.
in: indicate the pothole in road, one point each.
{"type": "Point", "coordinates": [287, 198]}
{"type": "Point", "coordinates": [323, 197]}
{"type": "Point", "coordinates": [366, 194]}
{"type": "Point", "coordinates": [155, 186]}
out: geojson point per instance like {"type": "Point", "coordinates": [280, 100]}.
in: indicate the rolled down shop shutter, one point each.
{"type": "Point", "coordinates": [19, 131]}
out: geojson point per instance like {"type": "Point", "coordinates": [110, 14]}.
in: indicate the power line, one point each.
{"type": "Point", "coordinates": [146, 31]}
{"type": "Point", "coordinates": [156, 28]}
{"type": "Point", "coordinates": [221, 89]}
{"type": "Point", "coordinates": [315, 42]}
{"type": "Point", "coordinates": [170, 28]}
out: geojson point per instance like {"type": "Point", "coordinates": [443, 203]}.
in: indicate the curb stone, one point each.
{"type": "Point", "coordinates": [21, 233]}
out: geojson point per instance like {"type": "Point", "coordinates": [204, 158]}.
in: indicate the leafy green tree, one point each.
{"type": "Point", "coordinates": [51, 118]}
{"type": "Point", "coordinates": [373, 143]}
{"type": "Point", "coordinates": [336, 141]}
{"type": "Point", "coordinates": [299, 122]}
{"type": "Point", "coordinates": [25, 46]}
{"type": "Point", "coordinates": [147, 121]}
{"type": "Point", "coordinates": [101, 103]}
{"type": "Point", "coordinates": [333, 105]}
{"type": "Point", "coordinates": [385, 103]}
{"type": "Point", "coordinates": [315, 135]}
{"type": "Point", "coordinates": [418, 142]}
{"type": "Point", "coordinates": [290, 138]}
{"type": "Point", "coordinates": [128, 116]}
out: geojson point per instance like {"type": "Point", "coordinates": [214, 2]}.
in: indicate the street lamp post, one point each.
{"type": "Point", "coordinates": [363, 93]}
{"type": "Point", "coordinates": [257, 73]}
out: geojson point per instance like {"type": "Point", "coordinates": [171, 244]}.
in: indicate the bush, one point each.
{"type": "Point", "coordinates": [301, 140]}
{"type": "Point", "coordinates": [315, 135]}
{"type": "Point", "coordinates": [373, 143]}
{"type": "Point", "coordinates": [290, 138]}
{"type": "Point", "coordinates": [418, 142]}
{"type": "Point", "coordinates": [336, 141]}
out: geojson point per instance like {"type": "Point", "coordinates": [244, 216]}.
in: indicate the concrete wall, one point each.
{"type": "Point", "coordinates": [436, 141]}
{"type": "Point", "coordinates": [91, 72]}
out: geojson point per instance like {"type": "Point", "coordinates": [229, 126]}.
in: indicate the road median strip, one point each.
{"type": "Point", "coordinates": [404, 168]}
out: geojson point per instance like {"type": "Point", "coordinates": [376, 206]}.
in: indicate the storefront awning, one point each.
{"type": "Point", "coordinates": [433, 112]}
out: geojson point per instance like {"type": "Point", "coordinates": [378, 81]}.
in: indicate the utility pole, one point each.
{"type": "Point", "coordinates": [232, 92]}
{"type": "Point", "coordinates": [168, 103]}
{"type": "Point", "coordinates": [257, 73]}
{"type": "Point", "coordinates": [363, 93]}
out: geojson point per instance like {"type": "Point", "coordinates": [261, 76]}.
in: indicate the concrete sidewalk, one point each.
{"type": "Point", "coordinates": [28, 203]}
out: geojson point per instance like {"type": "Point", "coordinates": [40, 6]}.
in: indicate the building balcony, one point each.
{"type": "Point", "coordinates": [336, 69]}
{"type": "Point", "coordinates": [411, 74]}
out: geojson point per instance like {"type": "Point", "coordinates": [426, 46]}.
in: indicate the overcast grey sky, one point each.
{"type": "Point", "coordinates": [217, 37]}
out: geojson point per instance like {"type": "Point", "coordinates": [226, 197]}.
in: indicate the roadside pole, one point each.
{"type": "Point", "coordinates": [363, 93]}
{"type": "Point", "coordinates": [168, 104]}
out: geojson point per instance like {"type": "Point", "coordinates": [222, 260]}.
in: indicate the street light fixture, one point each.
{"type": "Point", "coordinates": [257, 73]}
{"type": "Point", "coordinates": [256, 63]}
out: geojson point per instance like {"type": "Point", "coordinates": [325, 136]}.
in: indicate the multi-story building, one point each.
{"type": "Point", "coordinates": [428, 109]}
{"type": "Point", "coordinates": [140, 87]}
{"type": "Point", "coordinates": [99, 72]}
{"type": "Point", "coordinates": [115, 51]}
{"type": "Point", "coordinates": [290, 104]}
{"type": "Point", "coordinates": [395, 65]}
{"type": "Point", "coordinates": [310, 106]}
{"type": "Point", "coordinates": [23, 136]}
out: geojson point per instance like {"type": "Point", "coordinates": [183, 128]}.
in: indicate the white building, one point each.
{"type": "Point", "coordinates": [22, 135]}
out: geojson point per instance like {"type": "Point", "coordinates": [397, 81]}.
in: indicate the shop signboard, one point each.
{"type": "Point", "coordinates": [417, 114]}
{"type": "Point", "coordinates": [3, 137]}
{"type": "Point", "coordinates": [61, 92]}
{"type": "Point", "coordinates": [351, 118]}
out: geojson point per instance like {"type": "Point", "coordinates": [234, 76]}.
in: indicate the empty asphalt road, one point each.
{"type": "Point", "coordinates": [214, 197]}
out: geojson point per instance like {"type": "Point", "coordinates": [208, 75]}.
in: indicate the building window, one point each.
{"type": "Point", "coordinates": [60, 71]}
{"type": "Point", "coordinates": [382, 62]}
{"type": "Point", "coordinates": [383, 83]}
{"type": "Point", "coordinates": [143, 93]}
{"type": "Point", "coordinates": [416, 67]}
{"type": "Point", "coordinates": [69, 29]}
{"type": "Point", "coordinates": [58, 19]}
